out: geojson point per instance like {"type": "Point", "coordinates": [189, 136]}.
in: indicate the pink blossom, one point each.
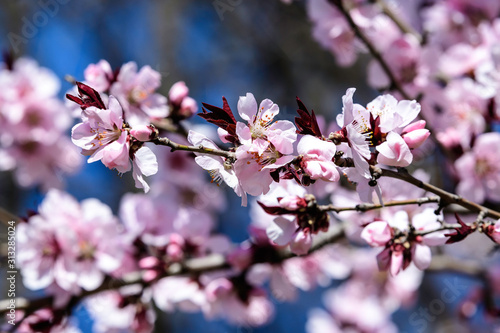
{"type": "Point", "coordinates": [479, 169]}
{"type": "Point", "coordinates": [332, 31]}
{"type": "Point", "coordinates": [136, 92]}
{"type": "Point", "coordinates": [377, 233]}
{"type": "Point", "coordinates": [280, 134]}
{"type": "Point", "coordinates": [494, 232]}
{"type": "Point", "coordinates": [101, 135]}
{"type": "Point", "coordinates": [394, 151]}
{"type": "Point", "coordinates": [317, 158]}
{"type": "Point", "coordinates": [80, 244]}
{"type": "Point", "coordinates": [224, 301]}
{"type": "Point", "coordinates": [99, 76]}
{"type": "Point", "coordinates": [415, 134]}
{"type": "Point", "coordinates": [121, 310]}
{"type": "Point", "coordinates": [181, 293]}
{"type": "Point", "coordinates": [355, 121]}
{"type": "Point", "coordinates": [393, 114]}
{"type": "Point", "coordinates": [33, 123]}
{"type": "Point", "coordinates": [220, 169]}
{"type": "Point", "coordinates": [253, 165]}
{"type": "Point", "coordinates": [350, 305]}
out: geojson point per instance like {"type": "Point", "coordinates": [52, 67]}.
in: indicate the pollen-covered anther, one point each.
{"type": "Point", "coordinates": [216, 176]}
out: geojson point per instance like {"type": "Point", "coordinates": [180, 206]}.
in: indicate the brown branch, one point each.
{"type": "Point", "coordinates": [366, 207]}
{"type": "Point", "coordinates": [200, 149]}
{"type": "Point", "coordinates": [387, 70]}
{"type": "Point", "coordinates": [192, 267]}
{"type": "Point", "coordinates": [446, 197]}
{"type": "Point", "coordinates": [405, 28]}
{"type": "Point", "coordinates": [6, 217]}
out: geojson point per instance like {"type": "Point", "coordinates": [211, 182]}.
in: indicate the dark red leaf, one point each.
{"type": "Point", "coordinates": [88, 96]}
{"type": "Point", "coordinates": [459, 233]}
{"type": "Point", "coordinates": [221, 117]}
{"type": "Point", "coordinates": [306, 122]}
{"type": "Point", "coordinates": [274, 210]}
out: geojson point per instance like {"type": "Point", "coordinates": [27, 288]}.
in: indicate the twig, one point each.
{"type": "Point", "coordinates": [200, 149]}
{"type": "Point", "coordinates": [367, 207]}
{"type": "Point", "coordinates": [405, 28]}
{"type": "Point", "coordinates": [385, 67]}
{"type": "Point", "coordinates": [6, 217]}
{"type": "Point", "coordinates": [446, 197]}
{"type": "Point", "coordinates": [192, 267]}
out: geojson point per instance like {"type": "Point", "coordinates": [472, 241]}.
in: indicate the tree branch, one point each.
{"type": "Point", "coordinates": [192, 267]}
{"type": "Point", "coordinates": [200, 149]}
{"type": "Point", "coordinates": [387, 70]}
{"type": "Point", "coordinates": [446, 197]}
{"type": "Point", "coordinates": [405, 28]}
{"type": "Point", "coordinates": [366, 207]}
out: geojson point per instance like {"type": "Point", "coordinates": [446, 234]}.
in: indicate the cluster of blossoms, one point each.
{"type": "Point", "coordinates": [455, 71]}
{"type": "Point", "coordinates": [155, 247]}
{"type": "Point", "coordinates": [117, 111]}
{"type": "Point", "coordinates": [33, 125]}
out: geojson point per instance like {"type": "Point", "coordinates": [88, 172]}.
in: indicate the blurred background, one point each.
{"type": "Point", "coordinates": [259, 46]}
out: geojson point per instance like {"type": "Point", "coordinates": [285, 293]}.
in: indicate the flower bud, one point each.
{"type": "Point", "coordinates": [142, 132]}
{"type": "Point", "coordinates": [414, 139]}
{"type": "Point", "coordinates": [293, 202]}
{"type": "Point", "coordinates": [149, 262]}
{"type": "Point", "coordinates": [188, 107]}
{"type": "Point", "coordinates": [178, 92]}
{"type": "Point", "coordinates": [414, 126]}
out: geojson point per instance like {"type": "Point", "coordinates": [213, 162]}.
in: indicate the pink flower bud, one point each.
{"type": "Point", "coordinates": [150, 275]}
{"type": "Point", "coordinates": [414, 139]}
{"type": "Point", "coordinates": [149, 262]}
{"type": "Point", "coordinates": [377, 233]}
{"type": "Point", "coordinates": [293, 202]}
{"type": "Point", "coordinates": [178, 92]}
{"type": "Point", "coordinates": [142, 132]}
{"type": "Point", "coordinates": [414, 126]}
{"type": "Point", "coordinates": [175, 252]}
{"type": "Point", "coordinates": [188, 107]}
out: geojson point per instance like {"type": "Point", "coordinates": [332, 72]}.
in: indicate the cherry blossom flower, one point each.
{"type": "Point", "coordinates": [248, 307]}
{"type": "Point", "coordinates": [104, 136]}
{"type": "Point", "coordinates": [136, 92]}
{"type": "Point", "coordinates": [99, 76]}
{"type": "Point", "coordinates": [349, 305]}
{"type": "Point", "coordinates": [356, 128]}
{"type": "Point", "coordinates": [261, 128]}
{"type": "Point", "coordinates": [220, 169]}
{"type": "Point", "coordinates": [70, 244]}
{"type": "Point", "coordinates": [317, 158]}
{"type": "Point", "coordinates": [118, 310]}
{"type": "Point", "coordinates": [402, 247]}
{"type": "Point", "coordinates": [265, 145]}
{"type": "Point", "coordinates": [33, 123]}
{"type": "Point", "coordinates": [479, 169]}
